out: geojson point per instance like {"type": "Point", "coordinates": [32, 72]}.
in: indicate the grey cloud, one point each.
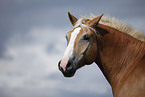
{"type": "Point", "coordinates": [32, 42]}
{"type": "Point", "coordinates": [84, 94]}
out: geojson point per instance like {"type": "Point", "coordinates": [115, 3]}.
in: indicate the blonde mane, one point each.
{"type": "Point", "coordinates": [115, 23]}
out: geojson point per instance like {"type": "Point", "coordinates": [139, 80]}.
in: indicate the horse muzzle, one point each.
{"type": "Point", "coordinates": [69, 70]}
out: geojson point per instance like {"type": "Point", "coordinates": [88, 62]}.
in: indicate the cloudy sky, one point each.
{"type": "Point", "coordinates": [32, 41]}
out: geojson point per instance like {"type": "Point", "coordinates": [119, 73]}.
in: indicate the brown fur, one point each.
{"type": "Point", "coordinates": [119, 55]}
{"type": "Point", "coordinates": [121, 59]}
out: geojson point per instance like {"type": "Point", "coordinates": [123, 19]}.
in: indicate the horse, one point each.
{"type": "Point", "coordinates": [116, 47]}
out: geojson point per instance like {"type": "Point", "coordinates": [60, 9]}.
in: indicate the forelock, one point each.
{"type": "Point", "coordinates": [81, 22]}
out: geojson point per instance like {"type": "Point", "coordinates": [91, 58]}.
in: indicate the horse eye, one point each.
{"type": "Point", "coordinates": [86, 37]}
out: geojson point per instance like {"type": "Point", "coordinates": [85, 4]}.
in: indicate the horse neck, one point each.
{"type": "Point", "coordinates": [117, 52]}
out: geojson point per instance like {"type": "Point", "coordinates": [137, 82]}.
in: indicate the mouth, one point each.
{"type": "Point", "coordinates": [69, 72]}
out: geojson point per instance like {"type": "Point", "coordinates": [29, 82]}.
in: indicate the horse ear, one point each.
{"type": "Point", "coordinates": [73, 19]}
{"type": "Point", "coordinates": [95, 21]}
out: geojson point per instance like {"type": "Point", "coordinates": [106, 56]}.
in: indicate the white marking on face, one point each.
{"type": "Point", "coordinates": [70, 47]}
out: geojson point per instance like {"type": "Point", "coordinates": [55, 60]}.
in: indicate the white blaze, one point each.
{"type": "Point", "coordinates": [69, 50]}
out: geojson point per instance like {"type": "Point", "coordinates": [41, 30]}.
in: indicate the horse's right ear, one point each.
{"type": "Point", "coordinates": [95, 21]}
{"type": "Point", "coordinates": [73, 19]}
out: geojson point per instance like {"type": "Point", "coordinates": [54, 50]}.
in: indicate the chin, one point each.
{"type": "Point", "coordinates": [69, 75]}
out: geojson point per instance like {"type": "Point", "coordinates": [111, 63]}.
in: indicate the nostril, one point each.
{"type": "Point", "coordinates": [59, 62]}
{"type": "Point", "coordinates": [60, 68]}
{"type": "Point", "coordinates": [69, 66]}
{"type": "Point", "coordinates": [69, 63]}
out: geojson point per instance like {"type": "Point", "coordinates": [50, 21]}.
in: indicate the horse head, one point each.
{"type": "Point", "coordinates": [81, 45]}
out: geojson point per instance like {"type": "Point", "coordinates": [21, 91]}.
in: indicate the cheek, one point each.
{"type": "Point", "coordinates": [81, 48]}
{"type": "Point", "coordinates": [91, 54]}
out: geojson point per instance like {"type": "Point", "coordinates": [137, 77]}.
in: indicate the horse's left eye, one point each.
{"type": "Point", "coordinates": [86, 37]}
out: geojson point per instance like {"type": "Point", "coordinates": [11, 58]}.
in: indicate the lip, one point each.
{"type": "Point", "coordinates": [68, 74]}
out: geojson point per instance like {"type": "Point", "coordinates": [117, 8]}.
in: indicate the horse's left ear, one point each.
{"type": "Point", "coordinates": [95, 21]}
{"type": "Point", "coordinates": [73, 19]}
